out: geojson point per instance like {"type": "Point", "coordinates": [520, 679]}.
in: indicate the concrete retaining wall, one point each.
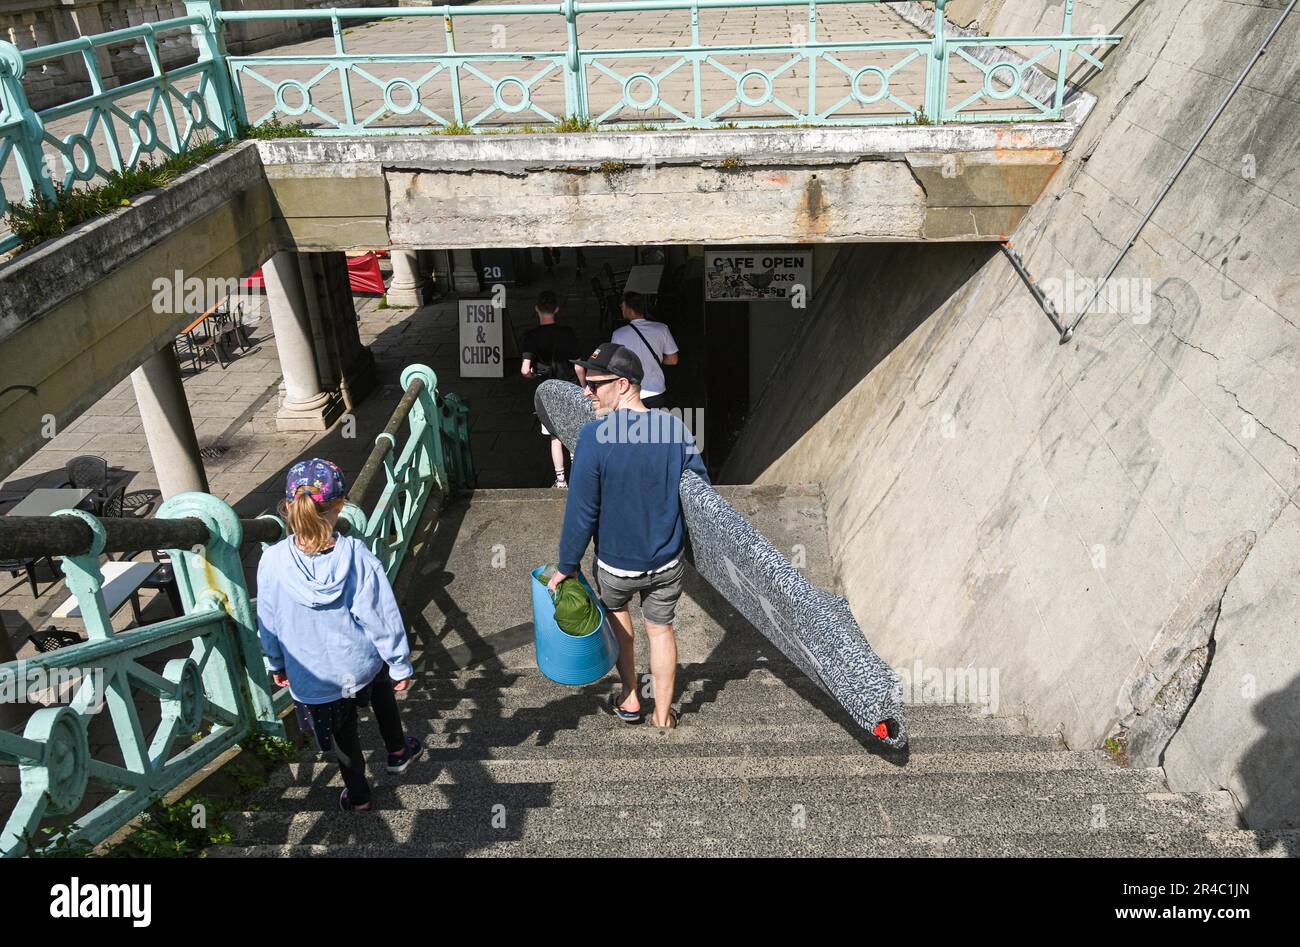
{"type": "Point", "coordinates": [77, 314]}
{"type": "Point", "coordinates": [1113, 523]}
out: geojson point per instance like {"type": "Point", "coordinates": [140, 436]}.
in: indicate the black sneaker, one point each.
{"type": "Point", "coordinates": [346, 805]}
{"type": "Point", "coordinates": [399, 762]}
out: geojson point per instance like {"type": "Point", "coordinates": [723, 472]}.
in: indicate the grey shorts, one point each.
{"type": "Point", "coordinates": [659, 592]}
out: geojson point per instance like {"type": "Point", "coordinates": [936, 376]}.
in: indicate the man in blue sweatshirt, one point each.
{"type": "Point", "coordinates": [623, 490]}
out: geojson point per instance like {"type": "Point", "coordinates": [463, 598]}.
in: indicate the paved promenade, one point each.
{"type": "Point", "coordinates": [547, 35]}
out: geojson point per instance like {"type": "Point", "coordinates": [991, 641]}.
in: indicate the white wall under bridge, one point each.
{"type": "Point", "coordinates": [773, 185]}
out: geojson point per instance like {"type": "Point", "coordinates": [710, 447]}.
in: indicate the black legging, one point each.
{"type": "Point", "coordinates": [339, 718]}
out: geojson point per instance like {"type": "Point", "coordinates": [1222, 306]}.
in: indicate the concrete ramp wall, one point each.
{"type": "Point", "coordinates": [1112, 524]}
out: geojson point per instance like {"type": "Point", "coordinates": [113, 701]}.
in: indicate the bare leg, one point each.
{"type": "Point", "coordinates": [626, 659]}
{"type": "Point", "coordinates": [557, 455]}
{"type": "Point", "coordinates": [663, 669]}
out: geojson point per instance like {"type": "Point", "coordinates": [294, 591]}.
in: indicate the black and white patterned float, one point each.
{"type": "Point", "coordinates": [813, 628]}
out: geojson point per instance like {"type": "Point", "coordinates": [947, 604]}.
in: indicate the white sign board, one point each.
{"type": "Point", "coordinates": [480, 339]}
{"type": "Point", "coordinates": [756, 274]}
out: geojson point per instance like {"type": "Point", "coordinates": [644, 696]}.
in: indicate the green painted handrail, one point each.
{"type": "Point", "coordinates": [46, 162]}
{"type": "Point", "coordinates": [218, 694]}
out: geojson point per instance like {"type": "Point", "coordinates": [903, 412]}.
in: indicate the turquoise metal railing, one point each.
{"type": "Point", "coordinates": [190, 102]}
{"type": "Point", "coordinates": [439, 86]}
{"type": "Point", "coordinates": [213, 698]}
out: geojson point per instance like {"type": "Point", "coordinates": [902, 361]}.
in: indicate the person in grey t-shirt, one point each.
{"type": "Point", "coordinates": [653, 343]}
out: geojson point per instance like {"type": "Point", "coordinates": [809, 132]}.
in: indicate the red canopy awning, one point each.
{"type": "Point", "coordinates": [363, 274]}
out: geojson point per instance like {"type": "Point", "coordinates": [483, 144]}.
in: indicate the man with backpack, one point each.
{"type": "Point", "coordinates": [653, 344]}
{"type": "Point", "coordinates": [549, 350]}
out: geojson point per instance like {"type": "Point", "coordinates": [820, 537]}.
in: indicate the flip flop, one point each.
{"type": "Point", "coordinates": [673, 719]}
{"type": "Point", "coordinates": [611, 706]}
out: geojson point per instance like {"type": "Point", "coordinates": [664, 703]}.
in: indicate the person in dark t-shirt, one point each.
{"type": "Point", "coordinates": [549, 350]}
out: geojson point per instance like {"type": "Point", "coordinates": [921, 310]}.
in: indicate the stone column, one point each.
{"type": "Point", "coordinates": [428, 260]}
{"type": "Point", "coordinates": [409, 286]}
{"type": "Point", "coordinates": [439, 267]}
{"type": "Point", "coordinates": [168, 426]}
{"type": "Point", "coordinates": [345, 364]}
{"type": "Point", "coordinates": [306, 407]}
{"type": "Point", "coordinates": [464, 278]}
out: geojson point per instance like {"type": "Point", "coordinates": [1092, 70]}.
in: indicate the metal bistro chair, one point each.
{"type": "Point", "coordinates": [16, 567]}
{"type": "Point", "coordinates": [232, 327]}
{"type": "Point", "coordinates": [88, 472]}
{"type": "Point", "coordinates": [187, 350]}
{"type": "Point", "coordinates": [616, 279]}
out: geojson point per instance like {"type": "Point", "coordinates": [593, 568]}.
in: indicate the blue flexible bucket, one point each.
{"type": "Point", "coordinates": [565, 658]}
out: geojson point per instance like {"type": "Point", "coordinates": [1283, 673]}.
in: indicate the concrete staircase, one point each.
{"type": "Point", "coordinates": [764, 763]}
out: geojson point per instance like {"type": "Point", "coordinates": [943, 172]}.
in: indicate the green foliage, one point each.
{"type": "Point", "coordinates": [572, 123]}
{"type": "Point", "coordinates": [44, 218]}
{"type": "Point", "coordinates": [1117, 748]}
{"type": "Point", "coordinates": [273, 129]}
{"type": "Point", "coordinates": [731, 163]}
{"type": "Point", "coordinates": [168, 830]}
{"type": "Point", "coordinates": [612, 169]}
{"type": "Point", "coordinates": [454, 128]}
{"type": "Point", "coordinates": [62, 845]}
{"type": "Point", "coordinates": [270, 749]}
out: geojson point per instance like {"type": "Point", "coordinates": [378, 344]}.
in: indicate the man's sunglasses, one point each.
{"type": "Point", "coordinates": [592, 385]}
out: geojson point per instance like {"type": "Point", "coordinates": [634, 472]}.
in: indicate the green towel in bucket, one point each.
{"type": "Point", "coordinates": [575, 611]}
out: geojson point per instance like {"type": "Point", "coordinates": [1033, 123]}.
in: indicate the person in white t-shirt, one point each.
{"type": "Point", "coordinates": [653, 343]}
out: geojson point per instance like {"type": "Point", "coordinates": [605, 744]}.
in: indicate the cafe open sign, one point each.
{"type": "Point", "coordinates": [750, 274]}
{"type": "Point", "coordinates": [480, 339]}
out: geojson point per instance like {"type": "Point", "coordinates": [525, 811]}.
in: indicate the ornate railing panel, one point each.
{"type": "Point", "coordinates": [113, 130]}
{"type": "Point", "coordinates": [435, 457]}
{"type": "Point", "coordinates": [149, 706]}
{"type": "Point", "coordinates": [809, 81]}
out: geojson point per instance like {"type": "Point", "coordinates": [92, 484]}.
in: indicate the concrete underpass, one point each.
{"type": "Point", "coordinates": [1104, 532]}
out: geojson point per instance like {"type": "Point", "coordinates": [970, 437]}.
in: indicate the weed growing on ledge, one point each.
{"type": "Point", "coordinates": [572, 123]}
{"type": "Point", "coordinates": [34, 222]}
{"type": "Point", "coordinates": [612, 169]}
{"type": "Point", "coordinates": [272, 129]}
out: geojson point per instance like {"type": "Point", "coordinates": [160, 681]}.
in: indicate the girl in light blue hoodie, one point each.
{"type": "Point", "coordinates": [330, 625]}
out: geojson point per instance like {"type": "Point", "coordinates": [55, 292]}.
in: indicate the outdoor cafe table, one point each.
{"type": "Point", "coordinates": [47, 501]}
{"type": "Point", "coordinates": [122, 581]}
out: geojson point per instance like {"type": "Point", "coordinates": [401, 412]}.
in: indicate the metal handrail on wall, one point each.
{"type": "Point", "coordinates": [221, 692]}
{"type": "Point", "coordinates": [600, 86]}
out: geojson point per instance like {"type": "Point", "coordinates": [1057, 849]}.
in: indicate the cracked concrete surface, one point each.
{"type": "Point", "coordinates": [1115, 524]}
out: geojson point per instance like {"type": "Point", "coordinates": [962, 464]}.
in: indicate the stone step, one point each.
{"type": "Point", "coordinates": [708, 679]}
{"type": "Point", "coordinates": [716, 766]}
{"type": "Point", "coordinates": [951, 815]}
{"type": "Point", "coordinates": [1091, 844]}
{"type": "Point", "coordinates": [688, 694]}
{"type": "Point", "coordinates": [321, 792]}
{"type": "Point", "coordinates": [616, 746]}
{"type": "Point", "coordinates": [523, 726]}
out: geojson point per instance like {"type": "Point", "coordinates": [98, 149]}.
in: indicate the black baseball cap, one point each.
{"type": "Point", "coordinates": [613, 359]}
